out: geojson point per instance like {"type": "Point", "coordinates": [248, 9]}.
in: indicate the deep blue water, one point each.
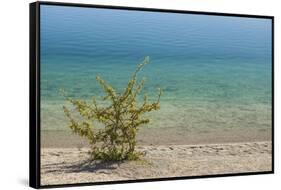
{"type": "Point", "coordinates": [215, 71]}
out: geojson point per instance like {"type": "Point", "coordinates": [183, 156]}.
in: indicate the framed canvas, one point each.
{"type": "Point", "coordinates": [126, 94]}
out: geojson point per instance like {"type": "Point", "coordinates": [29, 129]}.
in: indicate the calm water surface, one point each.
{"type": "Point", "coordinates": [215, 71]}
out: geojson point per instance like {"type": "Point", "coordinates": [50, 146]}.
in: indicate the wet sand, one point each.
{"type": "Point", "coordinates": [166, 136]}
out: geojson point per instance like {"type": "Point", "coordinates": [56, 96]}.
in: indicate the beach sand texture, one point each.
{"type": "Point", "coordinates": [72, 165]}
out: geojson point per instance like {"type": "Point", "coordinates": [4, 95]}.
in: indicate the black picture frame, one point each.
{"type": "Point", "coordinates": [34, 92]}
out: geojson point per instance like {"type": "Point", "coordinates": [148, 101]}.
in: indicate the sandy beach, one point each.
{"type": "Point", "coordinates": [169, 152]}
{"type": "Point", "coordinates": [72, 165]}
{"type": "Point", "coordinates": [166, 136]}
{"type": "Point", "coordinates": [216, 109]}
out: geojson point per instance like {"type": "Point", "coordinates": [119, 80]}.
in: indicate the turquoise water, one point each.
{"type": "Point", "coordinates": [215, 71]}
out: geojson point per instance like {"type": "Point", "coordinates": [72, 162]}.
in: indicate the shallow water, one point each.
{"type": "Point", "coordinates": [215, 71]}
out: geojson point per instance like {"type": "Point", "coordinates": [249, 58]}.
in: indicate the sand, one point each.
{"type": "Point", "coordinates": [72, 165]}
{"type": "Point", "coordinates": [166, 136]}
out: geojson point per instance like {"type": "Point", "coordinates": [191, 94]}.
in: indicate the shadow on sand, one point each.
{"type": "Point", "coordinates": [84, 166]}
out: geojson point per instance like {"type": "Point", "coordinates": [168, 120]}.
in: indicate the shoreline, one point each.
{"type": "Point", "coordinates": [165, 136]}
{"type": "Point", "coordinates": [72, 165]}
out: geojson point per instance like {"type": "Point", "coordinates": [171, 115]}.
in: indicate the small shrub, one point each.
{"type": "Point", "coordinates": [121, 119]}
